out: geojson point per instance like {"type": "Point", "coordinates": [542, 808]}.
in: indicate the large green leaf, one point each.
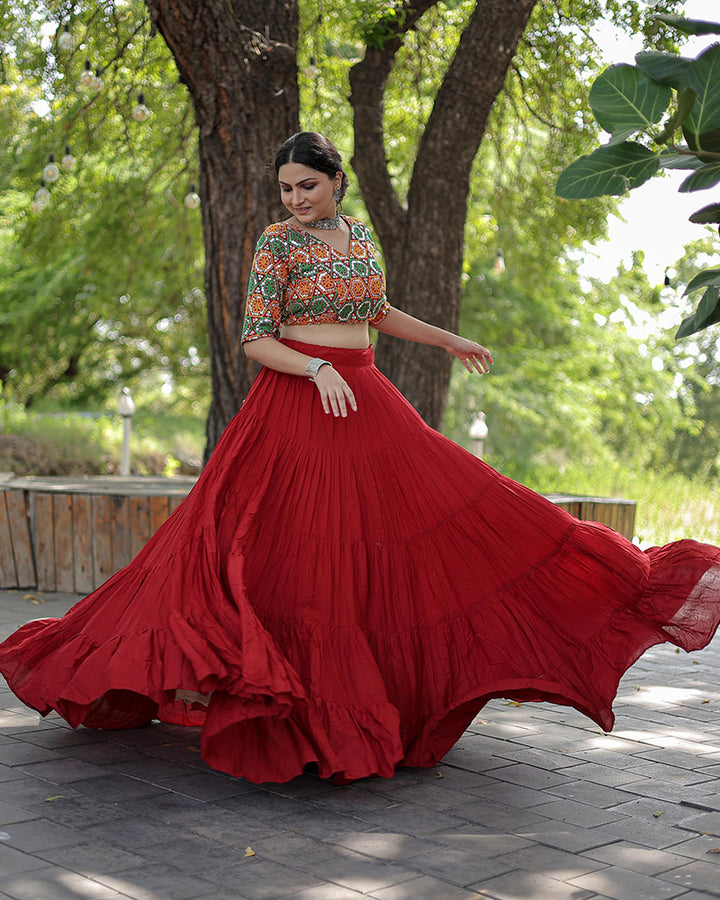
{"type": "Point", "coordinates": [665, 68]}
{"type": "Point", "coordinates": [705, 177]}
{"type": "Point", "coordinates": [608, 170]}
{"type": "Point", "coordinates": [691, 26]}
{"type": "Point", "coordinates": [704, 279]}
{"type": "Point", "coordinates": [707, 214]}
{"type": "Point", "coordinates": [707, 313]}
{"type": "Point", "coordinates": [669, 160]}
{"type": "Point", "coordinates": [624, 98]}
{"type": "Point", "coordinates": [703, 123]}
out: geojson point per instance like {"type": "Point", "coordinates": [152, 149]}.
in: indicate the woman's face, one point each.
{"type": "Point", "coordinates": [307, 193]}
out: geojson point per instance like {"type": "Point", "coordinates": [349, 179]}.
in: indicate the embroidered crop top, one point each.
{"type": "Point", "coordinates": [299, 279]}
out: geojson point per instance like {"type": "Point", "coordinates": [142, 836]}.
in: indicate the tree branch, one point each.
{"type": "Point", "coordinates": [367, 83]}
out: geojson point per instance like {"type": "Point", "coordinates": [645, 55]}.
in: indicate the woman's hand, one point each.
{"type": "Point", "coordinates": [473, 356]}
{"type": "Point", "coordinates": [335, 392]}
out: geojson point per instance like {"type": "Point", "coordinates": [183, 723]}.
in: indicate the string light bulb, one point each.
{"type": "Point", "coordinates": [87, 78]}
{"type": "Point", "coordinates": [68, 161]}
{"type": "Point", "coordinates": [499, 265]}
{"type": "Point", "coordinates": [97, 82]}
{"type": "Point", "coordinates": [51, 172]}
{"type": "Point", "coordinates": [312, 70]}
{"type": "Point", "coordinates": [42, 195]}
{"type": "Point", "coordinates": [66, 41]}
{"type": "Point", "coordinates": [192, 198]}
{"type": "Point", "coordinates": [140, 112]}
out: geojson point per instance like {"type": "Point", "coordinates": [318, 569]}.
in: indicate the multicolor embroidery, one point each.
{"type": "Point", "coordinates": [299, 279]}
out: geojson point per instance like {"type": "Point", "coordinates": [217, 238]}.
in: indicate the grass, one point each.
{"type": "Point", "coordinates": [669, 507]}
{"type": "Point", "coordinates": [75, 444]}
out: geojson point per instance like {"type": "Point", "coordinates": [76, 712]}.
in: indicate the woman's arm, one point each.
{"type": "Point", "coordinates": [335, 392]}
{"type": "Point", "coordinates": [472, 355]}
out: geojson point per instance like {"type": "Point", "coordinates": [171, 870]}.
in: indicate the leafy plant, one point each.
{"type": "Point", "coordinates": [662, 113]}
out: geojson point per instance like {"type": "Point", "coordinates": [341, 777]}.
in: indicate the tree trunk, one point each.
{"type": "Point", "coordinates": [423, 243]}
{"type": "Point", "coordinates": [238, 60]}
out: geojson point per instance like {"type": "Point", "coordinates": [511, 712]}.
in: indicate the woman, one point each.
{"type": "Point", "coordinates": [344, 587]}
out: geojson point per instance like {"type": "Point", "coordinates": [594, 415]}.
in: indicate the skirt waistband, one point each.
{"type": "Point", "coordinates": [340, 356]}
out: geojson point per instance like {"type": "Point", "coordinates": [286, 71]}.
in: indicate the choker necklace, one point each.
{"type": "Point", "coordinates": [326, 224]}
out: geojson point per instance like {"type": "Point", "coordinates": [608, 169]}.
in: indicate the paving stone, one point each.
{"type": "Point", "coordinates": [653, 810]}
{"type": "Point", "coordinates": [699, 848]}
{"type": "Point", "coordinates": [14, 862]}
{"type": "Point", "coordinates": [624, 884]}
{"type": "Point", "coordinates": [484, 845]}
{"type": "Point", "coordinates": [322, 892]}
{"type": "Point", "coordinates": [672, 774]}
{"type": "Point", "coordinates": [705, 823]}
{"type": "Point", "coordinates": [577, 813]}
{"type": "Point", "coordinates": [365, 874]}
{"type": "Point", "coordinates": [263, 879]}
{"type": "Point", "coordinates": [631, 856]}
{"type": "Point", "coordinates": [458, 866]}
{"type": "Point", "coordinates": [647, 834]}
{"type": "Point", "coordinates": [568, 837]}
{"type": "Point", "coordinates": [166, 808]}
{"type": "Point", "coordinates": [102, 754]}
{"type": "Point", "coordinates": [21, 753]}
{"type": "Point", "coordinates": [541, 759]}
{"type": "Point", "coordinates": [10, 813]}
{"type": "Point", "coordinates": [62, 770]}
{"type": "Point", "coordinates": [41, 835]}
{"type": "Point", "coordinates": [557, 864]}
{"type": "Point", "coordinates": [204, 786]}
{"type": "Point", "coordinates": [25, 791]}
{"type": "Point", "coordinates": [531, 776]}
{"type": "Point", "coordinates": [90, 858]}
{"type": "Point", "coordinates": [112, 788]}
{"type": "Point", "coordinates": [512, 795]}
{"type": "Point", "coordinates": [323, 825]}
{"type": "Point", "coordinates": [56, 883]}
{"type": "Point", "coordinates": [157, 880]}
{"type": "Point", "coordinates": [390, 845]}
{"type": "Point", "coordinates": [424, 888]}
{"type": "Point", "coordinates": [230, 828]}
{"type": "Point", "coordinates": [74, 812]}
{"type": "Point", "coordinates": [9, 773]}
{"type": "Point", "coordinates": [596, 773]}
{"type": "Point", "coordinates": [698, 876]}
{"type": "Point", "coordinates": [598, 795]}
{"type": "Point", "coordinates": [61, 738]}
{"type": "Point", "coordinates": [521, 885]}
{"type": "Point", "coordinates": [488, 814]}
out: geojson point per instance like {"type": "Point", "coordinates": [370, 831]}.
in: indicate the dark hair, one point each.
{"type": "Point", "coordinates": [308, 148]}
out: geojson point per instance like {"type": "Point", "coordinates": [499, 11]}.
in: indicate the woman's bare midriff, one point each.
{"type": "Point", "coordinates": [353, 335]}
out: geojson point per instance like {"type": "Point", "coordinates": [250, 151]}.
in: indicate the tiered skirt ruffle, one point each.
{"type": "Point", "coordinates": [350, 592]}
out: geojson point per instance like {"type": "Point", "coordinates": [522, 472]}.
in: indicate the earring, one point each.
{"type": "Point", "coordinates": [338, 199]}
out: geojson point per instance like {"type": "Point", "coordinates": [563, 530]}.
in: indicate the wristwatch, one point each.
{"type": "Point", "coordinates": [314, 366]}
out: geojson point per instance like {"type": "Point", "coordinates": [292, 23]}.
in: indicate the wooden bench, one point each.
{"type": "Point", "coordinates": [71, 534]}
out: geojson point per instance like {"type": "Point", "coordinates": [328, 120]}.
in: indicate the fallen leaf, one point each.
{"type": "Point", "coordinates": [56, 797]}
{"type": "Point", "coordinates": [194, 749]}
{"type": "Point", "coordinates": [704, 701]}
{"type": "Point", "coordinates": [658, 814]}
{"type": "Point", "coordinates": [249, 851]}
{"type": "Point", "coordinates": [512, 703]}
{"type": "Point", "coordinates": [439, 775]}
{"type": "Point", "coordinates": [677, 649]}
{"type": "Point", "coordinates": [29, 596]}
{"type": "Point", "coordinates": [713, 850]}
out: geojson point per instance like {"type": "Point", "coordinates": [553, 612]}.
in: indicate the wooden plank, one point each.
{"type": "Point", "coordinates": [82, 543]}
{"type": "Point", "coordinates": [100, 514]}
{"type": "Point", "coordinates": [120, 528]}
{"type": "Point", "coordinates": [20, 535]}
{"type": "Point", "coordinates": [62, 518]}
{"type": "Point", "coordinates": [41, 507]}
{"type": "Point", "coordinates": [159, 511]}
{"type": "Point", "coordinates": [8, 572]}
{"type": "Point", "coordinates": [139, 523]}
{"type": "Point", "coordinates": [174, 500]}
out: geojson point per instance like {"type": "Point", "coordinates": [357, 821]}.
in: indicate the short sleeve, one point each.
{"type": "Point", "coordinates": [381, 306]}
{"type": "Point", "coordinates": [266, 286]}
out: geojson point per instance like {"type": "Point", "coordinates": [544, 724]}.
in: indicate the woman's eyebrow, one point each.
{"type": "Point", "coordinates": [285, 184]}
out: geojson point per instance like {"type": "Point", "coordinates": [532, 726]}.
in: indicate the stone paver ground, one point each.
{"type": "Point", "coordinates": [534, 803]}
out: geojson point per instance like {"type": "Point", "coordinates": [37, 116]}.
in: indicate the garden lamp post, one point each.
{"type": "Point", "coordinates": [125, 408]}
{"type": "Point", "coordinates": [478, 434]}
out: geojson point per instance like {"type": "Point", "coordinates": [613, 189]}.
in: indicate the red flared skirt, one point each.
{"type": "Point", "coordinates": [351, 592]}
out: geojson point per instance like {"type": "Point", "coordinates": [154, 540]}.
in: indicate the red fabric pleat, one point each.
{"type": "Point", "coordinates": [351, 592]}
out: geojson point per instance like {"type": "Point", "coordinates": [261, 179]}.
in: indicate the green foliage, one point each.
{"type": "Point", "coordinates": [630, 101]}
{"type": "Point", "coordinates": [103, 285]}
